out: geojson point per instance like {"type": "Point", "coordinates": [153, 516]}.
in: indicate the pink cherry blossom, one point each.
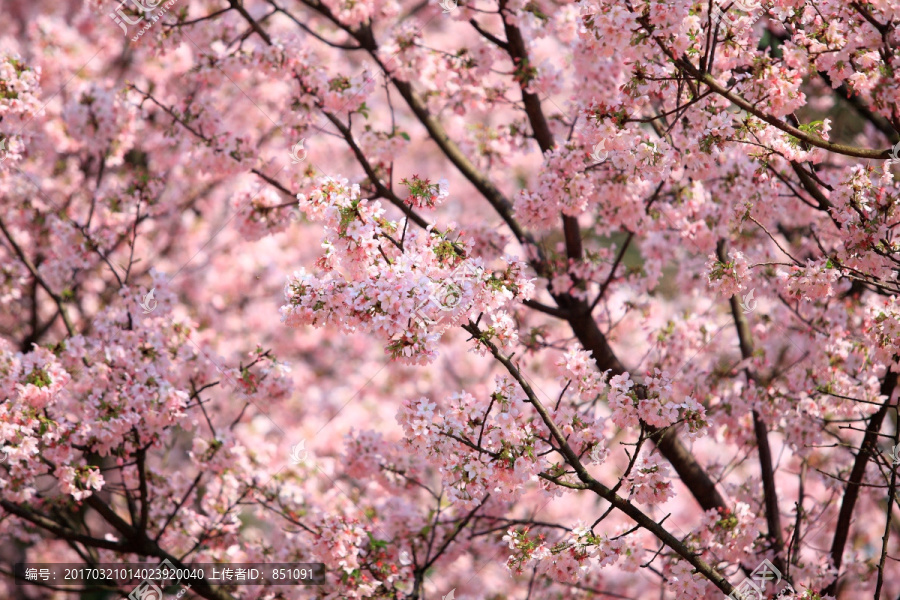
{"type": "Point", "coordinates": [517, 299]}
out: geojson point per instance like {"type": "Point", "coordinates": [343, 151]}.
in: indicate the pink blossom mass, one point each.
{"type": "Point", "coordinates": [449, 299]}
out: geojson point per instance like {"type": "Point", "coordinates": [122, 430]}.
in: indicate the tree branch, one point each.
{"type": "Point", "coordinates": [598, 488]}
{"type": "Point", "coordinates": [867, 449]}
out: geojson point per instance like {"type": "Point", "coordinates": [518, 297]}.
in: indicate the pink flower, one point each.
{"type": "Point", "coordinates": [649, 482]}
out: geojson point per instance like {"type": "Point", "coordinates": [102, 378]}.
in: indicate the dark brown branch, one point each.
{"type": "Point", "coordinates": [60, 531]}
{"type": "Point", "coordinates": [519, 55]}
{"type": "Point", "coordinates": [309, 30]}
{"type": "Point", "coordinates": [550, 310]}
{"type": "Point", "coordinates": [867, 449]}
{"type": "Point", "coordinates": [813, 189]}
{"type": "Point", "coordinates": [380, 187]}
{"type": "Point", "coordinates": [236, 4]}
{"type": "Point", "coordinates": [889, 513]}
{"type": "Point", "coordinates": [488, 36]}
{"type": "Point", "coordinates": [773, 517]}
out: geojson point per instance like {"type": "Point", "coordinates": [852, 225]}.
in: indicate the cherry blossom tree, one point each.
{"type": "Point", "coordinates": [488, 299]}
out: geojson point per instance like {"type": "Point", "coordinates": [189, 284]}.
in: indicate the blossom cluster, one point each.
{"type": "Point", "coordinates": [668, 132]}
{"type": "Point", "coordinates": [19, 103]}
{"type": "Point", "coordinates": [509, 442]}
{"type": "Point", "coordinates": [657, 407]}
{"type": "Point", "coordinates": [407, 291]}
{"type": "Point", "coordinates": [571, 558]}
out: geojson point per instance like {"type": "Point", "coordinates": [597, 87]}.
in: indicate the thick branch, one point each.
{"type": "Point", "coordinates": [867, 449]}
{"type": "Point", "coordinates": [773, 517]}
{"type": "Point", "coordinates": [519, 54]}
{"type": "Point", "coordinates": [889, 513]}
{"type": "Point", "coordinates": [812, 140]}
{"type": "Point", "coordinates": [685, 464]}
{"type": "Point", "coordinates": [59, 531]}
